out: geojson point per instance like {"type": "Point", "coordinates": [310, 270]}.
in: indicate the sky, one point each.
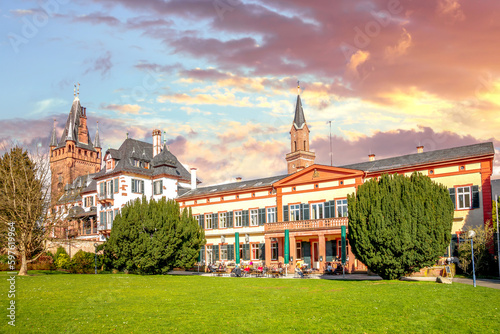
{"type": "Point", "coordinates": [219, 77]}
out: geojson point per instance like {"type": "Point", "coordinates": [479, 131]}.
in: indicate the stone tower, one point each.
{"type": "Point", "coordinates": [75, 154]}
{"type": "Point", "coordinates": [299, 157]}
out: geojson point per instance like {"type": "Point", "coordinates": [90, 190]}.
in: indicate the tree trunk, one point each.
{"type": "Point", "coordinates": [23, 271]}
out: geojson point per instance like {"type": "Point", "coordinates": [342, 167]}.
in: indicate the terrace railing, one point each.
{"type": "Point", "coordinates": [311, 224]}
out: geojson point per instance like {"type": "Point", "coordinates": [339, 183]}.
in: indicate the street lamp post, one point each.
{"type": "Point", "coordinates": [95, 252]}
{"type": "Point", "coordinates": [472, 234]}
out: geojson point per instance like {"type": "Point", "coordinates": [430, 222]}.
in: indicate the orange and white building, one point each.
{"type": "Point", "coordinates": [250, 217]}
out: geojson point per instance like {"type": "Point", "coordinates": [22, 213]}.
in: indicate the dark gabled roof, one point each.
{"type": "Point", "coordinates": [71, 129]}
{"type": "Point", "coordinates": [425, 158]}
{"type": "Point", "coordinates": [131, 149]}
{"type": "Point", "coordinates": [299, 119]}
{"type": "Point", "coordinates": [73, 191]}
{"type": "Point", "coordinates": [241, 185]}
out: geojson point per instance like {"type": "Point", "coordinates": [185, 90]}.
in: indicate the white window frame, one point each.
{"type": "Point", "coordinates": [110, 218]}
{"type": "Point", "coordinates": [222, 220]}
{"type": "Point", "coordinates": [462, 194]}
{"type": "Point", "coordinates": [157, 184]}
{"type": "Point", "coordinates": [210, 254]}
{"type": "Point", "coordinates": [318, 209]}
{"type": "Point", "coordinates": [223, 252]}
{"type": "Point", "coordinates": [254, 217]}
{"type": "Point", "coordinates": [341, 203]}
{"type": "Point", "coordinates": [139, 186]}
{"type": "Point", "coordinates": [271, 215]}
{"type": "Point", "coordinates": [294, 212]}
{"type": "Point", "coordinates": [208, 222]}
{"type": "Point", "coordinates": [238, 219]}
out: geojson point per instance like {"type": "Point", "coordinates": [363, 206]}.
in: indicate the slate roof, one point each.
{"type": "Point", "coordinates": [241, 185]}
{"type": "Point", "coordinates": [71, 129]}
{"type": "Point", "coordinates": [425, 158]}
{"type": "Point", "coordinates": [131, 149]}
{"type": "Point", "coordinates": [73, 191]}
{"type": "Point", "coordinates": [299, 119]}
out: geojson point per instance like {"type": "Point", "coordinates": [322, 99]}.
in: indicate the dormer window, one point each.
{"type": "Point", "coordinates": [137, 163]}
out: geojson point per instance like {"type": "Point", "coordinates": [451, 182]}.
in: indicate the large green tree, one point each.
{"type": "Point", "coordinates": [24, 204]}
{"type": "Point", "coordinates": [152, 237]}
{"type": "Point", "coordinates": [399, 224]}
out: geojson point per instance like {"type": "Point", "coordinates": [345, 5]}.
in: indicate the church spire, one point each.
{"type": "Point", "coordinates": [97, 142]}
{"type": "Point", "coordinates": [299, 119]}
{"type": "Point", "coordinates": [53, 138]}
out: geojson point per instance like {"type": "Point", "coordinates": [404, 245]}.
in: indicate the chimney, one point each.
{"type": "Point", "coordinates": [156, 142]}
{"type": "Point", "coordinates": [371, 157]}
{"type": "Point", "coordinates": [420, 149]}
{"type": "Point", "coordinates": [193, 178]}
{"type": "Point", "coordinates": [238, 179]}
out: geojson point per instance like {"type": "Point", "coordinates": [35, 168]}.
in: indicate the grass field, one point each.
{"type": "Point", "coordinates": [57, 303]}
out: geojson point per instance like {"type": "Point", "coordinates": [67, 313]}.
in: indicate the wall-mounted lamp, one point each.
{"type": "Point", "coordinates": [321, 258]}
{"type": "Point", "coordinates": [222, 239]}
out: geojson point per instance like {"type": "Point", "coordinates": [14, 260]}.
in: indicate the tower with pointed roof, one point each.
{"type": "Point", "coordinates": [299, 157]}
{"type": "Point", "coordinates": [74, 154]}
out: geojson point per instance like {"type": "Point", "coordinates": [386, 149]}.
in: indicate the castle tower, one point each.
{"type": "Point", "coordinates": [74, 155]}
{"type": "Point", "coordinates": [299, 156]}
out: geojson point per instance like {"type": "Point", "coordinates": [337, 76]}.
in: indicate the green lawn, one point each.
{"type": "Point", "coordinates": [57, 303]}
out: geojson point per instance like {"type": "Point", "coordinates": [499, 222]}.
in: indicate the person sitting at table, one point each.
{"type": "Point", "coordinates": [260, 269]}
{"type": "Point", "coordinates": [237, 271]}
{"type": "Point", "coordinates": [299, 271]}
{"type": "Point", "coordinates": [210, 268]}
{"type": "Point", "coordinates": [247, 270]}
{"type": "Point", "coordinates": [329, 269]}
{"type": "Point", "coordinates": [221, 267]}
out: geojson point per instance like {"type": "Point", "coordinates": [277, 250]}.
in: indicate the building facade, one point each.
{"type": "Point", "coordinates": [253, 220]}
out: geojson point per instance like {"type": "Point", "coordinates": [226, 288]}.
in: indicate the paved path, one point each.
{"type": "Point", "coordinates": [488, 283]}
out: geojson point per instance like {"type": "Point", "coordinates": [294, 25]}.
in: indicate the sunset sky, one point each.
{"type": "Point", "coordinates": [220, 76]}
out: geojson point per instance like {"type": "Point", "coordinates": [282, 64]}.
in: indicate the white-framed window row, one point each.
{"type": "Point", "coordinates": [238, 219]}
{"type": "Point", "coordinates": [222, 220]}
{"type": "Point", "coordinates": [317, 210]}
{"type": "Point", "coordinates": [254, 217]}
{"type": "Point", "coordinates": [271, 215]}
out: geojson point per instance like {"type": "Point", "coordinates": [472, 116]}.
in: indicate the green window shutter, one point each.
{"type": "Point", "coordinates": [116, 184]}
{"type": "Point", "coordinates": [142, 187]}
{"type": "Point", "coordinates": [245, 217]}
{"type": "Point", "coordinates": [306, 253]}
{"type": "Point", "coordinates": [304, 208]}
{"type": "Point", "coordinates": [201, 256]}
{"type": "Point", "coordinates": [475, 197]}
{"type": "Point", "coordinates": [262, 216]}
{"type": "Point", "coordinates": [101, 218]}
{"type": "Point", "coordinates": [215, 250]}
{"type": "Point", "coordinates": [452, 196]}
{"type": "Point", "coordinates": [230, 252]}
{"type": "Point", "coordinates": [215, 220]}
{"type": "Point", "coordinates": [110, 187]}
{"type": "Point", "coordinates": [262, 255]}
{"type": "Point", "coordinates": [101, 187]}
{"type": "Point", "coordinates": [246, 252]}
{"type": "Point", "coordinates": [332, 209]}
{"type": "Point", "coordinates": [229, 219]}
{"type": "Point", "coordinates": [285, 213]}
{"type": "Point", "coordinates": [327, 210]}
{"type": "Point", "coordinates": [329, 251]}
{"type": "Point", "coordinates": [133, 186]}
{"type": "Point", "coordinates": [202, 221]}
{"type": "Point", "coordinates": [161, 186]}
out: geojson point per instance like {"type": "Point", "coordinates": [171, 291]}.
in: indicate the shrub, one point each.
{"type": "Point", "coordinates": [484, 261]}
{"type": "Point", "coordinates": [60, 250]}
{"type": "Point", "coordinates": [63, 261]}
{"type": "Point", "coordinates": [82, 262]}
{"type": "Point", "coordinates": [44, 262]}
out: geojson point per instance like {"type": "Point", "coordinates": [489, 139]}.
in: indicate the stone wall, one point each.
{"type": "Point", "coordinates": [72, 245]}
